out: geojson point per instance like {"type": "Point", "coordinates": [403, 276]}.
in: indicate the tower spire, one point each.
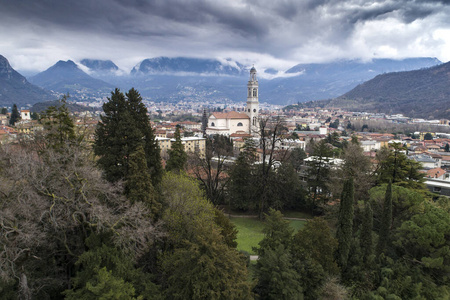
{"type": "Point", "coordinates": [252, 109]}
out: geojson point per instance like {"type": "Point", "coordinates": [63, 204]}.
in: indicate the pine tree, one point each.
{"type": "Point", "coordinates": [4, 111]}
{"type": "Point", "coordinates": [138, 186]}
{"type": "Point", "coordinates": [345, 224]}
{"type": "Point", "coordinates": [15, 116]}
{"type": "Point", "coordinates": [123, 127]}
{"type": "Point", "coordinates": [386, 221]}
{"type": "Point", "coordinates": [177, 155]}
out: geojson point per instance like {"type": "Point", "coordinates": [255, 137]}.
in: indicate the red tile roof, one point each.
{"type": "Point", "coordinates": [230, 115]}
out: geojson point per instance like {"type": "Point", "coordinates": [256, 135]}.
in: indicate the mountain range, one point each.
{"type": "Point", "coordinates": [174, 79]}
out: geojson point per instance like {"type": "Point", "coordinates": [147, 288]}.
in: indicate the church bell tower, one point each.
{"type": "Point", "coordinates": [252, 101]}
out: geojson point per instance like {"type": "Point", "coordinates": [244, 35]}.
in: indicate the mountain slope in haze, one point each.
{"type": "Point", "coordinates": [66, 77]}
{"type": "Point", "coordinates": [329, 80]}
{"type": "Point", "coordinates": [97, 65]}
{"type": "Point", "coordinates": [420, 93]}
{"type": "Point", "coordinates": [14, 88]}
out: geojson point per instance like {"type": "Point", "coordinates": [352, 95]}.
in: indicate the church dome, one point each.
{"type": "Point", "coordinates": [253, 70]}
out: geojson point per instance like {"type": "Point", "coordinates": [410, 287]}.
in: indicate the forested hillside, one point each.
{"type": "Point", "coordinates": [421, 93]}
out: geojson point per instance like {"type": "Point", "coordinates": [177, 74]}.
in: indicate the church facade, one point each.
{"type": "Point", "coordinates": [235, 122]}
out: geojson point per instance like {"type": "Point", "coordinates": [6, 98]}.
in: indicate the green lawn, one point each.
{"type": "Point", "coordinates": [250, 232]}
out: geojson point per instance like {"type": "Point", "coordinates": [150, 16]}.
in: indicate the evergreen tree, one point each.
{"type": "Point", "coordinates": [366, 239]}
{"type": "Point", "coordinates": [447, 147]}
{"type": "Point", "coordinates": [277, 278]}
{"type": "Point", "coordinates": [104, 270]}
{"type": "Point", "coordinates": [4, 111]}
{"type": "Point", "coordinates": [138, 186]}
{"type": "Point", "coordinates": [277, 231]}
{"type": "Point", "coordinates": [59, 127]}
{"type": "Point", "coordinates": [152, 151]}
{"type": "Point", "coordinates": [123, 127]}
{"type": "Point", "coordinates": [177, 155]}
{"type": "Point", "coordinates": [394, 166]}
{"type": "Point", "coordinates": [345, 224]}
{"type": "Point", "coordinates": [386, 221]}
{"type": "Point", "coordinates": [15, 116]}
{"type": "Point", "coordinates": [276, 275]}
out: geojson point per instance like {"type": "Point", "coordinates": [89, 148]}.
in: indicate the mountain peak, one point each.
{"type": "Point", "coordinates": [65, 64]}
{"type": "Point", "coordinates": [66, 77]}
{"type": "Point", "coordinates": [15, 88]}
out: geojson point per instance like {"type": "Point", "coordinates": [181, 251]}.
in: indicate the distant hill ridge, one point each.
{"type": "Point", "coordinates": [421, 93]}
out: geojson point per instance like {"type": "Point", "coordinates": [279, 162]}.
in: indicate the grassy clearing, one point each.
{"type": "Point", "coordinates": [250, 231]}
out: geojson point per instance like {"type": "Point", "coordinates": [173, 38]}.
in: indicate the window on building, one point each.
{"type": "Point", "coordinates": [255, 92]}
{"type": "Point", "coordinates": [212, 124]}
{"type": "Point", "coordinates": [240, 124]}
{"type": "Point", "coordinates": [437, 189]}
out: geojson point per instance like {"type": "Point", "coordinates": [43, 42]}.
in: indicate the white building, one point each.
{"type": "Point", "coordinates": [25, 114]}
{"type": "Point", "coordinates": [232, 122]}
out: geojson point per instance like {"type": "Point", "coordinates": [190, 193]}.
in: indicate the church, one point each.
{"type": "Point", "coordinates": [233, 122]}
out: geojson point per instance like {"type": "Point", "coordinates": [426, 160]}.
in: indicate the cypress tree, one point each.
{"type": "Point", "coordinates": [123, 127]}
{"type": "Point", "coordinates": [15, 116]}
{"type": "Point", "coordinates": [4, 111]}
{"type": "Point", "coordinates": [386, 221]}
{"type": "Point", "coordinates": [366, 241]}
{"type": "Point", "coordinates": [345, 224]}
{"type": "Point", "coordinates": [177, 155]}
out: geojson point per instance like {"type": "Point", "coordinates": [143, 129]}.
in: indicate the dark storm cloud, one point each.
{"type": "Point", "coordinates": [280, 29]}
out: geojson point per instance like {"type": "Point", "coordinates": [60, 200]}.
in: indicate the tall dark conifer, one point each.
{"type": "Point", "coordinates": [123, 127]}
{"type": "Point", "coordinates": [345, 224]}
{"type": "Point", "coordinates": [386, 221]}
{"type": "Point", "coordinates": [366, 240]}
{"type": "Point", "coordinates": [15, 116]}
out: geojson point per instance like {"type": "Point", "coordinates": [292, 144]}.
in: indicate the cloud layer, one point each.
{"type": "Point", "coordinates": [277, 34]}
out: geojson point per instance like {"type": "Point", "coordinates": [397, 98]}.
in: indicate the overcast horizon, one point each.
{"type": "Point", "coordinates": [269, 34]}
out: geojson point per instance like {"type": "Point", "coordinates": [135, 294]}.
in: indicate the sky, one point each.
{"type": "Point", "coordinates": [35, 34]}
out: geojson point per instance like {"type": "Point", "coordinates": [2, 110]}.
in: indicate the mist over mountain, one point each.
{"type": "Point", "coordinates": [421, 93]}
{"type": "Point", "coordinates": [166, 65]}
{"type": "Point", "coordinates": [66, 77]}
{"type": "Point", "coordinates": [14, 88]}
{"type": "Point", "coordinates": [97, 65]}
